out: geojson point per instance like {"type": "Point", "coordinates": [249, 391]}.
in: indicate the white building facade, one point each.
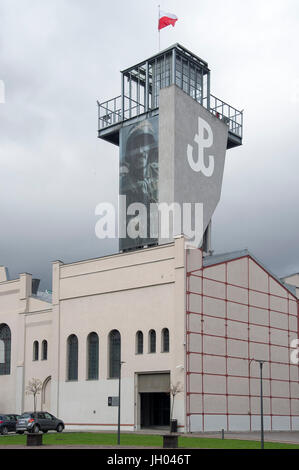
{"type": "Point", "coordinates": [174, 319]}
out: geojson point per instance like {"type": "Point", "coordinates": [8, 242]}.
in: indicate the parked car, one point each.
{"type": "Point", "coordinates": [8, 423]}
{"type": "Point", "coordinates": [38, 421]}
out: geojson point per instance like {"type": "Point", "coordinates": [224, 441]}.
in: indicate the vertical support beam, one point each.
{"type": "Point", "coordinates": [201, 85]}
{"type": "Point", "coordinates": [248, 344]}
{"type": "Point", "coordinates": [155, 91]}
{"type": "Point", "coordinates": [25, 290]}
{"type": "Point", "coordinates": [262, 406]}
{"type": "Point", "coordinates": [25, 293]}
{"type": "Point", "coordinates": [179, 340]}
{"type": "Point", "coordinates": [138, 91]}
{"type": "Point", "coordinates": [20, 369]}
{"type": "Point", "coordinates": [226, 349]}
{"type": "Point", "coordinates": [119, 400]}
{"type": "Point", "coordinates": [242, 125]}
{"type": "Point", "coordinates": [187, 348]}
{"type": "Point", "coordinates": [55, 350]}
{"type": "Point", "coordinates": [122, 97]}
{"type": "Point", "coordinates": [289, 367]}
{"type": "Point", "coordinates": [202, 352]}
{"type": "Point", "coordinates": [130, 96]}
{"type": "Point", "coordinates": [146, 86]}
{"type": "Point", "coordinates": [270, 368]}
{"type": "Point", "coordinates": [173, 66]}
{"type": "Point", "coordinates": [208, 91]}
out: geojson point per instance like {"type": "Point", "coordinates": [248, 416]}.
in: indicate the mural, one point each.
{"type": "Point", "coordinates": [139, 176]}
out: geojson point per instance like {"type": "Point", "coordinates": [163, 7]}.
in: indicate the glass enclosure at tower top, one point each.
{"type": "Point", "coordinates": [140, 88]}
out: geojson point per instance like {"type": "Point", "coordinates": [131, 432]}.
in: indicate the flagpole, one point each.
{"type": "Point", "coordinates": [158, 25]}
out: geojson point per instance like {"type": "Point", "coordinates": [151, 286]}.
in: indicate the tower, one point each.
{"type": "Point", "coordinates": [172, 135]}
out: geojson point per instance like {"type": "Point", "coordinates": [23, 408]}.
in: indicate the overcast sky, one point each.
{"type": "Point", "coordinates": [57, 57]}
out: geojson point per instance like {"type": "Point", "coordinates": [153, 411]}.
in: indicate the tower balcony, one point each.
{"type": "Point", "coordinates": [140, 89]}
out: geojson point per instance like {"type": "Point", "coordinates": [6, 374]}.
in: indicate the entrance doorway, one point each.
{"type": "Point", "coordinates": [155, 409]}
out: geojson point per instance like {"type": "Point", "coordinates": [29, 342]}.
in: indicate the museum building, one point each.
{"type": "Point", "coordinates": [185, 329]}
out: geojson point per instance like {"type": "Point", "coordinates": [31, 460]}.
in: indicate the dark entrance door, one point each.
{"type": "Point", "coordinates": [155, 409]}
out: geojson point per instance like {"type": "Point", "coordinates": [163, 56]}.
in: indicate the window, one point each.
{"type": "Point", "coordinates": [93, 356]}
{"type": "Point", "coordinates": [165, 340]}
{"type": "Point", "coordinates": [72, 358]}
{"type": "Point", "coordinates": [2, 351]}
{"type": "Point", "coordinates": [5, 348]}
{"type": "Point", "coordinates": [44, 350]}
{"type": "Point", "coordinates": [152, 341]}
{"type": "Point", "coordinates": [35, 350]}
{"type": "Point", "coordinates": [114, 354]}
{"type": "Point", "coordinates": [139, 342]}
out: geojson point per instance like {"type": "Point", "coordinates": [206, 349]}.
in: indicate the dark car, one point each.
{"type": "Point", "coordinates": [8, 423]}
{"type": "Point", "coordinates": [38, 421]}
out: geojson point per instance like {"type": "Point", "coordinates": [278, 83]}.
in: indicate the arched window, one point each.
{"type": "Point", "coordinates": [165, 340]}
{"type": "Point", "coordinates": [152, 341]}
{"type": "Point", "coordinates": [114, 354]}
{"type": "Point", "coordinates": [2, 351]}
{"type": "Point", "coordinates": [44, 350]}
{"type": "Point", "coordinates": [72, 357]}
{"type": "Point", "coordinates": [139, 342]}
{"type": "Point", "coordinates": [35, 350]}
{"type": "Point", "coordinates": [93, 356]}
{"type": "Point", "coordinates": [5, 348]}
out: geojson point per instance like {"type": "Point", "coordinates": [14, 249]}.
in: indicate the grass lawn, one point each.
{"type": "Point", "coordinates": [136, 440]}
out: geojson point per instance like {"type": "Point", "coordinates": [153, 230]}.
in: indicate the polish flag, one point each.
{"type": "Point", "coordinates": [166, 19]}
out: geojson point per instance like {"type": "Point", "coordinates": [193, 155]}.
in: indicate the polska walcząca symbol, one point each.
{"type": "Point", "coordinates": [202, 143]}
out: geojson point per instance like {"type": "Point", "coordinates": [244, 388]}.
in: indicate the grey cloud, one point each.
{"type": "Point", "coordinates": [58, 56]}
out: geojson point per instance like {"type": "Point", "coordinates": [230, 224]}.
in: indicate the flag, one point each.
{"type": "Point", "coordinates": [166, 19]}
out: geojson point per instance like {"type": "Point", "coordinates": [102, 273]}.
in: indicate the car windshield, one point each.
{"type": "Point", "coordinates": [26, 415]}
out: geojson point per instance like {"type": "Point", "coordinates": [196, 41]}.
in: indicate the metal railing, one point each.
{"type": "Point", "coordinates": [113, 111]}
{"type": "Point", "coordinates": [231, 116]}
{"type": "Point", "coordinates": [110, 112]}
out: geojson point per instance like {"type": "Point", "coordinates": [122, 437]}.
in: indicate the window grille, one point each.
{"type": "Point", "coordinates": [44, 350]}
{"type": "Point", "coordinates": [165, 340]}
{"type": "Point", "coordinates": [5, 349]}
{"type": "Point", "coordinates": [114, 353]}
{"type": "Point", "coordinates": [139, 342]}
{"type": "Point", "coordinates": [72, 371]}
{"type": "Point", "coordinates": [152, 341]}
{"type": "Point", "coordinates": [35, 350]}
{"type": "Point", "coordinates": [93, 356]}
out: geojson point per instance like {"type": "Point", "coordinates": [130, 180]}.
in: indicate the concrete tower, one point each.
{"type": "Point", "coordinates": [172, 134]}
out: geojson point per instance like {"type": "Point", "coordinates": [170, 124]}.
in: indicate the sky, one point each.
{"type": "Point", "coordinates": [57, 57]}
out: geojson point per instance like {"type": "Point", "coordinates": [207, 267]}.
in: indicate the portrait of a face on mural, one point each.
{"type": "Point", "coordinates": [139, 162]}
